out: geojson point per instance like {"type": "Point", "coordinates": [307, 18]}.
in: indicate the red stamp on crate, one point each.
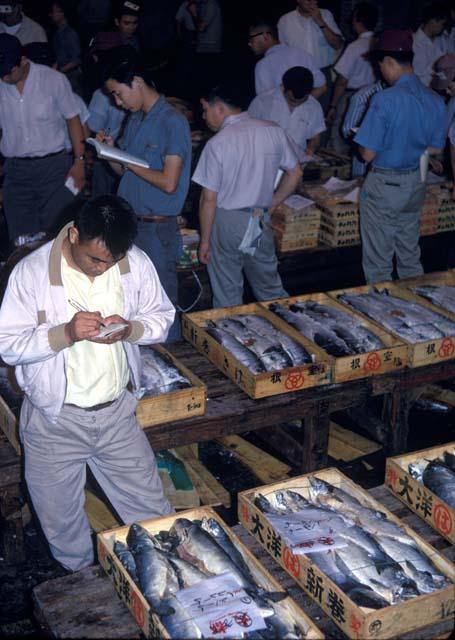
{"type": "Point", "coordinates": [138, 609]}
{"type": "Point", "coordinates": [447, 348]}
{"type": "Point", "coordinates": [442, 519]}
{"type": "Point", "coordinates": [291, 562]}
{"type": "Point", "coordinates": [245, 513]}
{"type": "Point", "coordinates": [391, 478]}
{"type": "Point", "coordinates": [355, 624]}
{"type": "Point", "coordinates": [372, 363]}
{"type": "Point", "coordinates": [294, 380]}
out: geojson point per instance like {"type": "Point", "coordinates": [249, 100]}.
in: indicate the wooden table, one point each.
{"type": "Point", "coordinates": [86, 605]}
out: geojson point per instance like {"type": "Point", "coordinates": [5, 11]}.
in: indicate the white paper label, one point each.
{"type": "Point", "coordinates": [309, 530]}
{"type": "Point", "coordinates": [335, 184]}
{"type": "Point", "coordinates": [221, 608]}
{"type": "Point", "coordinates": [298, 202]}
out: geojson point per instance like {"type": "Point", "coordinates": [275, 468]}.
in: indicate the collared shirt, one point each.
{"type": "Point", "coordinates": [67, 46]}
{"type": "Point", "coordinates": [29, 31]}
{"type": "Point", "coordinates": [33, 122]}
{"type": "Point", "coordinates": [301, 124]}
{"type": "Point", "coordinates": [426, 53]}
{"type": "Point", "coordinates": [83, 114]}
{"type": "Point", "coordinates": [401, 122]}
{"type": "Point", "coordinates": [209, 40]}
{"type": "Point", "coordinates": [161, 132]}
{"type": "Point", "coordinates": [104, 114]}
{"type": "Point", "coordinates": [446, 41]}
{"type": "Point", "coordinates": [240, 163]}
{"type": "Point", "coordinates": [352, 64]}
{"type": "Point", "coordinates": [297, 31]}
{"type": "Point", "coordinates": [95, 373]}
{"type": "Point", "coordinates": [277, 60]}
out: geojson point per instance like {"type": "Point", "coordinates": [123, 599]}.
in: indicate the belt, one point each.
{"type": "Point", "coordinates": [252, 209]}
{"type": "Point", "coordinates": [154, 218]}
{"type": "Point", "coordinates": [96, 407]}
{"type": "Point", "coordinates": [394, 171]}
{"type": "Point", "coordinates": [49, 155]}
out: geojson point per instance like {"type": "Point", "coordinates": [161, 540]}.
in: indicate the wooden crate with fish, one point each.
{"type": "Point", "coordinates": [437, 288]}
{"type": "Point", "coordinates": [253, 349]}
{"type": "Point", "coordinates": [358, 347]}
{"type": "Point", "coordinates": [203, 549]}
{"type": "Point", "coordinates": [185, 399]}
{"type": "Point", "coordinates": [425, 485]}
{"type": "Point", "coordinates": [326, 164]}
{"type": "Point", "coordinates": [379, 578]}
{"type": "Point", "coordinates": [429, 335]}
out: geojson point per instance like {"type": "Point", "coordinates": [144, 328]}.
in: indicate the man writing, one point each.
{"type": "Point", "coordinates": [77, 409]}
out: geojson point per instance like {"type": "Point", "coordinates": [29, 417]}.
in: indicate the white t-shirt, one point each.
{"type": "Point", "coordinates": [426, 53]}
{"type": "Point", "coordinates": [277, 60]}
{"type": "Point", "coordinates": [301, 124]}
{"type": "Point", "coordinates": [352, 64]}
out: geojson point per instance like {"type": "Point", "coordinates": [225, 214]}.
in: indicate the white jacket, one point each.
{"type": "Point", "coordinates": [34, 313]}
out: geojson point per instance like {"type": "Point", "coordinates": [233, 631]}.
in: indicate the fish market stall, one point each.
{"type": "Point", "coordinates": [358, 346]}
{"type": "Point", "coordinates": [425, 481]}
{"type": "Point", "coordinates": [371, 573]}
{"type": "Point", "coordinates": [186, 574]}
{"type": "Point", "coordinates": [85, 604]}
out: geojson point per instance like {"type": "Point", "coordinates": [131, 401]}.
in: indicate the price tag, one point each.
{"type": "Point", "coordinates": [309, 530]}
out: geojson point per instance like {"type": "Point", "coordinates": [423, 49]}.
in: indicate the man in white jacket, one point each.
{"type": "Point", "coordinates": [78, 409]}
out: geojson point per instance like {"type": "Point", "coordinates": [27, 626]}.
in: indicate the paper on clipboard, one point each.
{"type": "Point", "coordinates": [115, 154]}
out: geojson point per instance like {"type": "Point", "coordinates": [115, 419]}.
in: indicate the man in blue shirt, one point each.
{"type": "Point", "coordinates": [403, 124]}
{"type": "Point", "coordinates": [159, 134]}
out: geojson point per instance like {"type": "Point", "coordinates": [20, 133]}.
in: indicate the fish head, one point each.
{"type": "Point", "coordinates": [138, 537]}
{"type": "Point", "coordinates": [212, 526]}
{"type": "Point", "coordinates": [262, 503]}
{"type": "Point", "coordinates": [320, 490]}
{"type": "Point", "coordinates": [180, 529]}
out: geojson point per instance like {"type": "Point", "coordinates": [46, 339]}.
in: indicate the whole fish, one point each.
{"type": "Point", "coordinates": [417, 566]}
{"type": "Point", "coordinates": [365, 597]}
{"type": "Point", "coordinates": [388, 580]}
{"type": "Point", "coordinates": [364, 540]}
{"type": "Point", "coordinates": [440, 479]}
{"type": "Point", "coordinates": [179, 624]}
{"type": "Point", "coordinates": [442, 295]}
{"type": "Point", "coordinates": [125, 556]}
{"type": "Point", "coordinates": [159, 374]}
{"type": "Point", "coordinates": [238, 350]}
{"type": "Point", "coordinates": [187, 573]}
{"type": "Point", "coordinates": [213, 527]}
{"type": "Point", "coordinates": [157, 577]}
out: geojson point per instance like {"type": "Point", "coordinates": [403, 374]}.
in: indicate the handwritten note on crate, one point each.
{"type": "Point", "coordinates": [309, 530]}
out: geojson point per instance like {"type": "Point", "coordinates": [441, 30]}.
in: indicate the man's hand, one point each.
{"type": "Point", "coordinates": [204, 252]}
{"type": "Point", "coordinates": [84, 325]}
{"type": "Point", "coordinates": [330, 116]}
{"type": "Point", "coordinates": [118, 335]}
{"type": "Point", "coordinates": [77, 172]}
{"type": "Point", "coordinates": [105, 139]}
{"type": "Point", "coordinates": [315, 13]}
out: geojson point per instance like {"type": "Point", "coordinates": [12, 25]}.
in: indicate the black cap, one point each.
{"type": "Point", "coordinates": [11, 52]}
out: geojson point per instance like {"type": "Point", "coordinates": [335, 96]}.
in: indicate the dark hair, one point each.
{"type": "Point", "coordinates": [299, 81]}
{"type": "Point", "coordinates": [40, 52]}
{"type": "Point", "coordinates": [227, 92]}
{"type": "Point", "coordinates": [109, 218]}
{"type": "Point", "coordinates": [123, 64]}
{"type": "Point", "coordinates": [124, 10]}
{"type": "Point", "coordinates": [366, 14]}
{"type": "Point", "coordinates": [402, 57]}
{"type": "Point", "coordinates": [435, 11]}
{"type": "Point", "coordinates": [265, 25]}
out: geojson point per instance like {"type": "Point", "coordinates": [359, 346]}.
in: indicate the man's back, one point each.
{"type": "Point", "coordinates": [277, 60]}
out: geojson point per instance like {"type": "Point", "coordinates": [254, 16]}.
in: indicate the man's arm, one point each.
{"type": "Point", "coordinates": [313, 144]}
{"type": "Point", "coordinates": [334, 39]}
{"type": "Point", "coordinates": [317, 92]}
{"type": "Point", "coordinates": [167, 179]}
{"type": "Point", "coordinates": [207, 209]}
{"type": "Point", "coordinates": [340, 87]}
{"type": "Point", "coordinates": [367, 155]}
{"type": "Point", "coordinates": [76, 132]}
{"type": "Point", "coordinates": [288, 185]}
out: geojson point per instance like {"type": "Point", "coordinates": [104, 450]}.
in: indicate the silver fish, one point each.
{"type": "Point", "coordinates": [238, 350]}
{"type": "Point", "coordinates": [440, 479]}
{"type": "Point", "coordinates": [178, 623]}
{"type": "Point", "coordinates": [219, 534]}
{"type": "Point", "coordinates": [125, 556]}
{"type": "Point", "coordinates": [440, 295]}
{"type": "Point", "coordinates": [416, 470]}
{"type": "Point", "coordinates": [159, 374]}
{"type": "Point", "coordinates": [188, 574]}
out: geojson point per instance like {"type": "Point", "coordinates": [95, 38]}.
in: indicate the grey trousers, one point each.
{"type": "Point", "coordinates": [390, 208]}
{"type": "Point", "coordinates": [34, 193]}
{"type": "Point", "coordinates": [115, 448]}
{"type": "Point", "coordinates": [227, 264]}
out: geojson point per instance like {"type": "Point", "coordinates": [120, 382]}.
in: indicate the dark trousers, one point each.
{"type": "Point", "coordinates": [34, 193]}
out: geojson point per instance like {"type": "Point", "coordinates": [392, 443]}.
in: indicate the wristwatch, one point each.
{"type": "Point", "coordinates": [81, 157]}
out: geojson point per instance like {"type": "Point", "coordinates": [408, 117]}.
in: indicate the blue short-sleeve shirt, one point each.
{"type": "Point", "coordinates": [162, 132]}
{"type": "Point", "coordinates": [401, 122]}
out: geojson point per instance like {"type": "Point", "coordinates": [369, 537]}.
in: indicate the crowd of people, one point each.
{"type": "Point", "coordinates": [385, 97]}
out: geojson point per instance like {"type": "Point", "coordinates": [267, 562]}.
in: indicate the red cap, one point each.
{"type": "Point", "coordinates": [395, 40]}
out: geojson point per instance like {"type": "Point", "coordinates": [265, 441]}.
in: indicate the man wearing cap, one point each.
{"type": "Point", "coordinates": [237, 170]}
{"type": "Point", "coordinates": [403, 124]}
{"type": "Point", "coordinates": [16, 23]}
{"type": "Point", "coordinates": [36, 107]}
{"type": "Point", "coordinates": [294, 108]}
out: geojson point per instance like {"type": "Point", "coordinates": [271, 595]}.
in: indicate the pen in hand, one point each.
{"type": "Point", "coordinates": [79, 307]}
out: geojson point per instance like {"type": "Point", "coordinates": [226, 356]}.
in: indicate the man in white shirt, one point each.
{"type": "Point", "coordinates": [16, 23]}
{"type": "Point", "coordinates": [427, 47]}
{"type": "Point", "coordinates": [37, 106]}
{"type": "Point", "coordinates": [293, 107]}
{"type": "Point", "coordinates": [278, 58]}
{"type": "Point", "coordinates": [353, 68]}
{"type": "Point", "coordinates": [237, 170]}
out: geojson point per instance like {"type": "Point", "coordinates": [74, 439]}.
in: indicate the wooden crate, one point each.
{"type": "Point", "coordinates": [416, 496]}
{"type": "Point", "coordinates": [259, 385]}
{"type": "Point", "coordinates": [436, 278]}
{"type": "Point", "coordinates": [330, 164]}
{"type": "Point", "coordinates": [175, 405]}
{"type": "Point", "coordinates": [421, 353]}
{"type": "Point", "coordinates": [391, 358]}
{"type": "Point", "coordinates": [355, 621]}
{"type": "Point", "coordinates": [341, 241]}
{"type": "Point", "coordinates": [129, 592]}
{"type": "Point", "coordinates": [9, 426]}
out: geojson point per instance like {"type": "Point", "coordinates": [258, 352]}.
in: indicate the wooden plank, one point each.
{"type": "Point", "coordinates": [279, 438]}
{"type": "Point", "coordinates": [211, 492]}
{"type": "Point", "coordinates": [262, 464]}
{"type": "Point", "coordinates": [438, 394]}
{"type": "Point", "coordinates": [98, 513]}
{"type": "Point", "coordinates": [346, 445]}
{"type": "Point", "coordinates": [9, 426]}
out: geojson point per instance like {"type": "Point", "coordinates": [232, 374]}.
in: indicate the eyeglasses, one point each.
{"type": "Point", "coordinates": [255, 35]}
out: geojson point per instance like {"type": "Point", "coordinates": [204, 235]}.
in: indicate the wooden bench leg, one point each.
{"type": "Point", "coordinates": [316, 438]}
{"type": "Point", "coordinates": [12, 532]}
{"type": "Point", "coordinates": [397, 406]}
